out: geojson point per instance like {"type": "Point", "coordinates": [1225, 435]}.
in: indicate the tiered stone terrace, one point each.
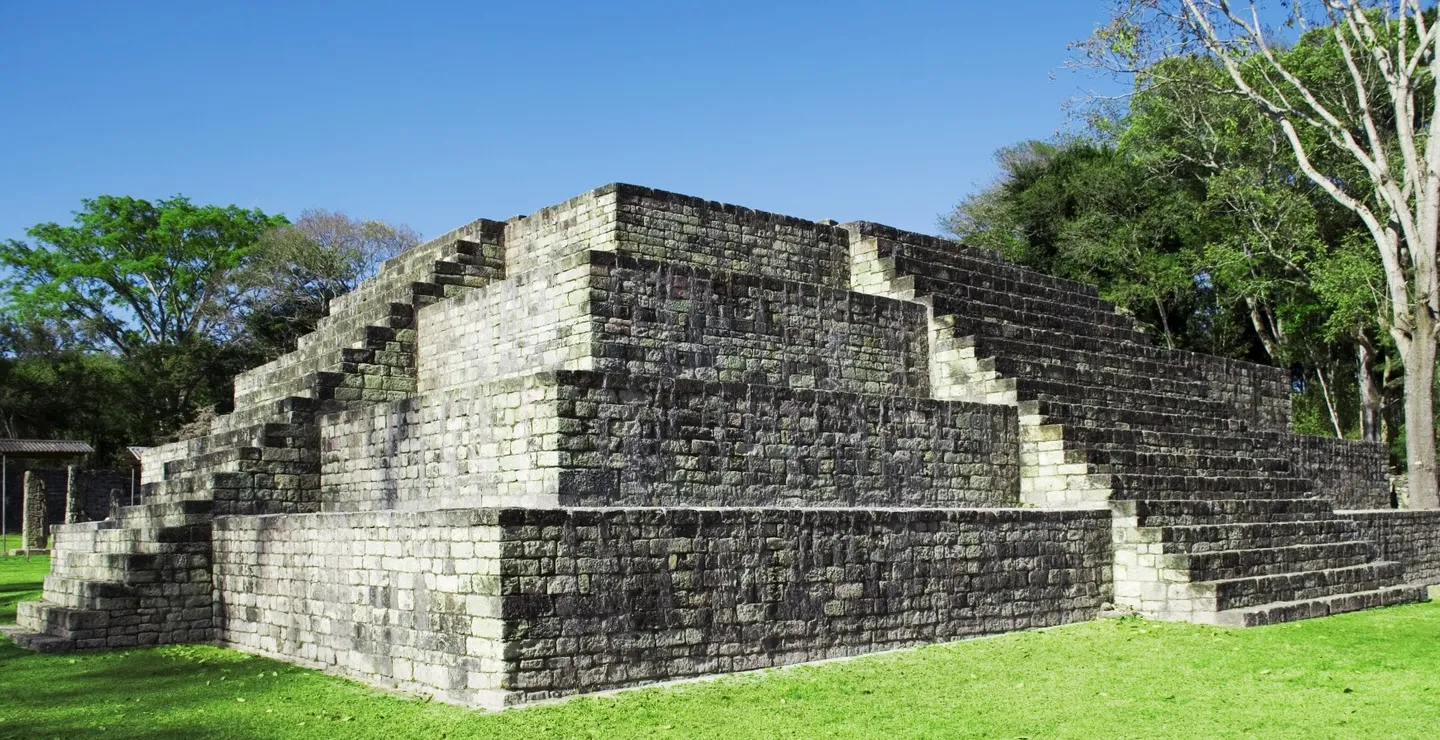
{"type": "Point", "coordinates": [639, 436]}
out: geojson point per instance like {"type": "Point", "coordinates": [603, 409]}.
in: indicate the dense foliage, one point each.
{"type": "Point", "coordinates": [1190, 213]}
{"type": "Point", "coordinates": [123, 326]}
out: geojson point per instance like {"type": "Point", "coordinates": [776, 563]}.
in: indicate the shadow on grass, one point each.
{"type": "Point", "coordinates": [14, 593]}
{"type": "Point", "coordinates": [142, 693]}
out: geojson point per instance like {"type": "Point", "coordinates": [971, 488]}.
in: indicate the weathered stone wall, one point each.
{"type": "Point", "coordinates": [95, 487]}
{"type": "Point", "coordinates": [153, 460]}
{"type": "Point", "coordinates": [487, 444]}
{"type": "Point", "coordinates": [595, 439]}
{"type": "Point", "coordinates": [1258, 394]}
{"type": "Point", "coordinates": [1410, 537]}
{"type": "Point", "coordinates": [1353, 474]}
{"type": "Point", "coordinates": [599, 599]}
{"type": "Point", "coordinates": [561, 231]}
{"type": "Point", "coordinates": [665, 319]}
{"type": "Point", "coordinates": [485, 606]}
{"type": "Point", "coordinates": [404, 600]}
{"type": "Point", "coordinates": [643, 441]}
{"type": "Point", "coordinates": [99, 483]}
{"type": "Point", "coordinates": [670, 227]}
{"type": "Point", "coordinates": [533, 321]}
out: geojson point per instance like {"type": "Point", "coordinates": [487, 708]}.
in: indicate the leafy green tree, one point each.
{"type": "Point", "coordinates": [1272, 232]}
{"type": "Point", "coordinates": [155, 288]}
{"type": "Point", "coordinates": [49, 391]}
{"type": "Point", "coordinates": [1086, 211]}
{"type": "Point", "coordinates": [1352, 88]}
{"type": "Point", "coordinates": [132, 274]}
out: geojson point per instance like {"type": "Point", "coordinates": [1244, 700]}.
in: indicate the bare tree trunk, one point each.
{"type": "Point", "coordinates": [1164, 323]}
{"type": "Point", "coordinates": [1420, 415]}
{"type": "Point", "coordinates": [1329, 403]}
{"type": "Point", "coordinates": [1371, 397]}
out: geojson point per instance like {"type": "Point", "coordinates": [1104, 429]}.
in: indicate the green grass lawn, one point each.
{"type": "Point", "coordinates": [1373, 674]}
{"type": "Point", "coordinates": [19, 579]}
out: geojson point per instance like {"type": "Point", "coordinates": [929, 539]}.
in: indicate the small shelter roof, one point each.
{"type": "Point", "coordinates": [44, 448]}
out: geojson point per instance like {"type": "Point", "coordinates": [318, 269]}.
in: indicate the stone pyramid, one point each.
{"type": "Point", "coordinates": [640, 436]}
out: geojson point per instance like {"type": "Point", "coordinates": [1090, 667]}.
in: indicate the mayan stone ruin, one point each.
{"type": "Point", "coordinates": [639, 436]}
{"type": "Point", "coordinates": [35, 524]}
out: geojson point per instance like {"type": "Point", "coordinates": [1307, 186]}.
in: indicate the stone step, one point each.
{"type": "Point", "coordinates": [910, 277]}
{"type": "Point", "coordinates": [131, 568]}
{"type": "Point", "coordinates": [1239, 564]}
{"type": "Point", "coordinates": [83, 594]}
{"type": "Point", "coordinates": [166, 514]}
{"type": "Point", "coordinates": [287, 410]}
{"type": "Point", "coordinates": [1259, 485]}
{"type": "Point", "coordinates": [1023, 367]}
{"type": "Point", "coordinates": [1289, 611]}
{"type": "Point", "coordinates": [195, 531]}
{"type": "Point", "coordinates": [139, 541]}
{"type": "Point", "coordinates": [968, 316]}
{"type": "Point", "coordinates": [1199, 538]}
{"type": "Point", "coordinates": [54, 628]}
{"type": "Point", "coordinates": [1128, 362]}
{"type": "Point", "coordinates": [1187, 512]}
{"type": "Point", "coordinates": [1132, 399]}
{"type": "Point", "coordinates": [1082, 414]}
{"type": "Point", "coordinates": [1121, 460]}
{"type": "Point", "coordinates": [937, 258]}
{"type": "Point", "coordinates": [1242, 593]}
{"type": "Point", "coordinates": [392, 314]}
{"type": "Point", "coordinates": [1241, 443]}
{"type": "Point", "coordinates": [359, 359]}
{"type": "Point", "coordinates": [294, 373]}
{"type": "Point", "coordinates": [1022, 338]}
{"type": "Point", "coordinates": [43, 643]}
{"type": "Point", "coordinates": [246, 459]}
{"type": "Point", "coordinates": [178, 490]}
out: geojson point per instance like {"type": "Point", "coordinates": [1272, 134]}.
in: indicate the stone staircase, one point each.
{"type": "Point", "coordinates": [1212, 523]}
{"type": "Point", "coordinates": [145, 577]}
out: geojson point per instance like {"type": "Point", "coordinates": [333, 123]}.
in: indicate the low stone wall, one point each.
{"type": "Point", "coordinates": [487, 606]}
{"type": "Point", "coordinates": [1410, 537]}
{"type": "Point", "coordinates": [402, 600]}
{"type": "Point", "coordinates": [601, 599]}
{"type": "Point", "coordinates": [1353, 474]}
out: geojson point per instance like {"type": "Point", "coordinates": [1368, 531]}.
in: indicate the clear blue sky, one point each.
{"type": "Point", "coordinates": [434, 114]}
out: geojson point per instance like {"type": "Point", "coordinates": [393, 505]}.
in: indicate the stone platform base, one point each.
{"type": "Point", "coordinates": [30, 552]}
{"type": "Point", "coordinates": [507, 606]}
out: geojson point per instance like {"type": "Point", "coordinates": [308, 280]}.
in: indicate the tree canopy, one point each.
{"type": "Point", "coordinates": [122, 326]}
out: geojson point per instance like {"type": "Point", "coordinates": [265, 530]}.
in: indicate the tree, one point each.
{"type": "Point", "coordinates": [144, 297]}
{"type": "Point", "coordinates": [299, 268]}
{"type": "Point", "coordinates": [1085, 211]}
{"type": "Point", "coordinates": [131, 274]}
{"type": "Point", "coordinates": [49, 391]}
{"type": "Point", "coordinates": [1272, 232]}
{"type": "Point", "coordinates": [1365, 140]}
